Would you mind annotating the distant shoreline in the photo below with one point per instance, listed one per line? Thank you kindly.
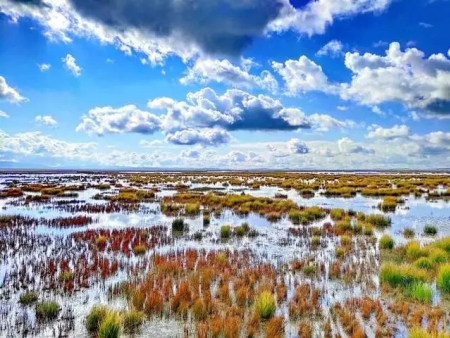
(168, 170)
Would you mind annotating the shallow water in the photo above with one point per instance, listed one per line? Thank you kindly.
(274, 242)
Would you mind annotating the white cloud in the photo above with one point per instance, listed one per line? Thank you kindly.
(425, 24)
(397, 131)
(149, 28)
(348, 146)
(323, 122)
(303, 75)
(292, 147)
(191, 153)
(126, 119)
(342, 108)
(206, 117)
(316, 16)
(332, 48)
(3, 114)
(378, 111)
(204, 136)
(407, 77)
(206, 70)
(43, 67)
(8, 93)
(46, 119)
(71, 64)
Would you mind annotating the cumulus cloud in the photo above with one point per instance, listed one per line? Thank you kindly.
(43, 67)
(397, 131)
(204, 136)
(234, 110)
(46, 119)
(71, 65)
(316, 16)
(126, 119)
(332, 48)
(3, 114)
(206, 117)
(323, 122)
(191, 153)
(37, 144)
(241, 157)
(292, 147)
(407, 77)
(348, 146)
(303, 75)
(206, 70)
(8, 93)
(160, 28)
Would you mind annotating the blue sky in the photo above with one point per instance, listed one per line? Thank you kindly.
(325, 84)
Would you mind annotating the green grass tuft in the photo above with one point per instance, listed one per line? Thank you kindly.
(443, 278)
(28, 298)
(95, 317)
(266, 305)
(403, 275)
(47, 310)
(110, 327)
(386, 242)
(421, 292)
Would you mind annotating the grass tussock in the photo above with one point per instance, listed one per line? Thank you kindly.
(110, 327)
(421, 292)
(265, 305)
(443, 278)
(48, 310)
(28, 298)
(401, 276)
(386, 242)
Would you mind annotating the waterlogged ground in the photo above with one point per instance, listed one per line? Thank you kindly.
(81, 239)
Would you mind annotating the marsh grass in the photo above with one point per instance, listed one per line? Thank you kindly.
(378, 221)
(110, 327)
(430, 230)
(178, 225)
(47, 310)
(192, 209)
(443, 278)
(225, 231)
(386, 242)
(421, 292)
(418, 332)
(265, 305)
(28, 298)
(139, 249)
(424, 263)
(414, 251)
(95, 317)
(132, 321)
(403, 275)
(408, 233)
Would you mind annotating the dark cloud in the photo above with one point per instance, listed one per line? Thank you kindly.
(217, 26)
